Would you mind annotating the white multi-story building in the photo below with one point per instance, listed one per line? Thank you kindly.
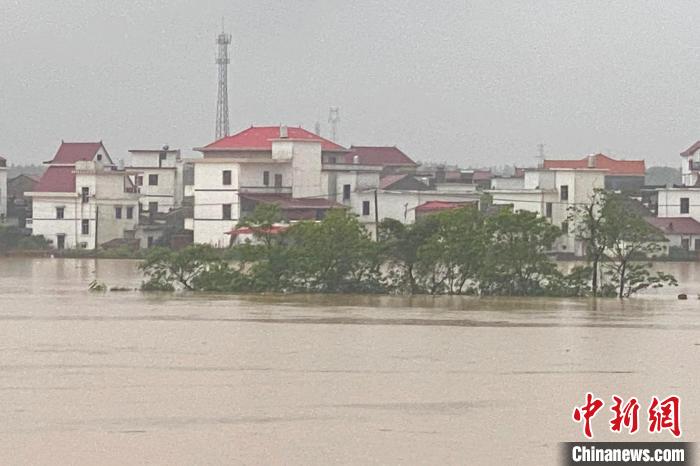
(690, 165)
(304, 174)
(550, 193)
(269, 164)
(159, 178)
(82, 200)
(3, 190)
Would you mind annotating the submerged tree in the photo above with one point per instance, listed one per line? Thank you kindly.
(166, 269)
(587, 221)
(334, 255)
(628, 238)
(516, 262)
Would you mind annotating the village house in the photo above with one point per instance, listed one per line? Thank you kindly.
(82, 200)
(159, 178)
(19, 206)
(391, 159)
(3, 190)
(305, 176)
(302, 173)
(690, 165)
(681, 232)
(550, 193)
(621, 175)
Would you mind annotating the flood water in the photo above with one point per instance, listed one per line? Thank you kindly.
(131, 378)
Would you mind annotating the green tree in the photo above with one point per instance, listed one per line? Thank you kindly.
(334, 255)
(629, 237)
(587, 221)
(516, 262)
(167, 269)
(399, 245)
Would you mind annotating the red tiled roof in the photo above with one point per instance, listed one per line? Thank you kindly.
(388, 180)
(379, 155)
(259, 138)
(691, 149)
(434, 206)
(57, 180)
(675, 225)
(482, 175)
(602, 161)
(71, 152)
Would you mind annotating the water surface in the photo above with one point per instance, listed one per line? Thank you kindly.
(131, 378)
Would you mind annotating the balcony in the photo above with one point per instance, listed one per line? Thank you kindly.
(266, 189)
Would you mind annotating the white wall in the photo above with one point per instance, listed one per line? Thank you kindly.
(670, 202)
(106, 192)
(209, 195)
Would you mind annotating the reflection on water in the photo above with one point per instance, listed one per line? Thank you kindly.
(274, 379)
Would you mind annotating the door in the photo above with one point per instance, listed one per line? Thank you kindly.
(697, 244)
(60, 241)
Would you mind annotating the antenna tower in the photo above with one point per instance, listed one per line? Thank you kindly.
(222, 60)
(540, 155)
(334, 119)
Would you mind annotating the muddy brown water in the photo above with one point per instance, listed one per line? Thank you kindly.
(131, 378)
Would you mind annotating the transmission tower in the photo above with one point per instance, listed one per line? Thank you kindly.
(334, 119)
(222, 60)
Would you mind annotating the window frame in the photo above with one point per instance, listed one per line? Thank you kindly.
(366, 208)
(151, 178)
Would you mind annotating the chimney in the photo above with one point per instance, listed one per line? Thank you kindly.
(284, 133)
(591, 161)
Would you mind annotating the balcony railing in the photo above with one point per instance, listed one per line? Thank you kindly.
(266, 189)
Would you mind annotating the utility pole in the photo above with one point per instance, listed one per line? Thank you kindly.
(376, 216)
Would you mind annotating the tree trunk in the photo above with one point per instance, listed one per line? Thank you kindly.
(594, 278)
(623, 271)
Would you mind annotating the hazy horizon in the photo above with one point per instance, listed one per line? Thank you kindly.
(476, 83)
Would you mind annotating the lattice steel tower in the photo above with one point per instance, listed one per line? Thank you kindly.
(222, 60)
(334, 119)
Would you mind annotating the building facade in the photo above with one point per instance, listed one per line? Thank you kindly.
(159, 179)
(82, 200)
(550, 193)
(621, 175)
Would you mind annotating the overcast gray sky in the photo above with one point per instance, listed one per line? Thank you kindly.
(470, 82)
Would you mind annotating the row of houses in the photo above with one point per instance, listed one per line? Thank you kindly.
(85, 199)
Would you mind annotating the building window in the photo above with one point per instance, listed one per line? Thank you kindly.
(685, 205)
(60, 241)
(564, 192)
(331, 159)
(152, 208)
(346, 192)
(226, 175)
(129, 212)
(153, 180)
(84, 193)
(365, 207)
(278, 180)
(226, 211)
(99, 157)
(85, 227)
(548, 210)
(118, 212)
(161, 158)
(60, 212)
(266, 178)
(565, 227)
(139, 180)
(685, 243)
